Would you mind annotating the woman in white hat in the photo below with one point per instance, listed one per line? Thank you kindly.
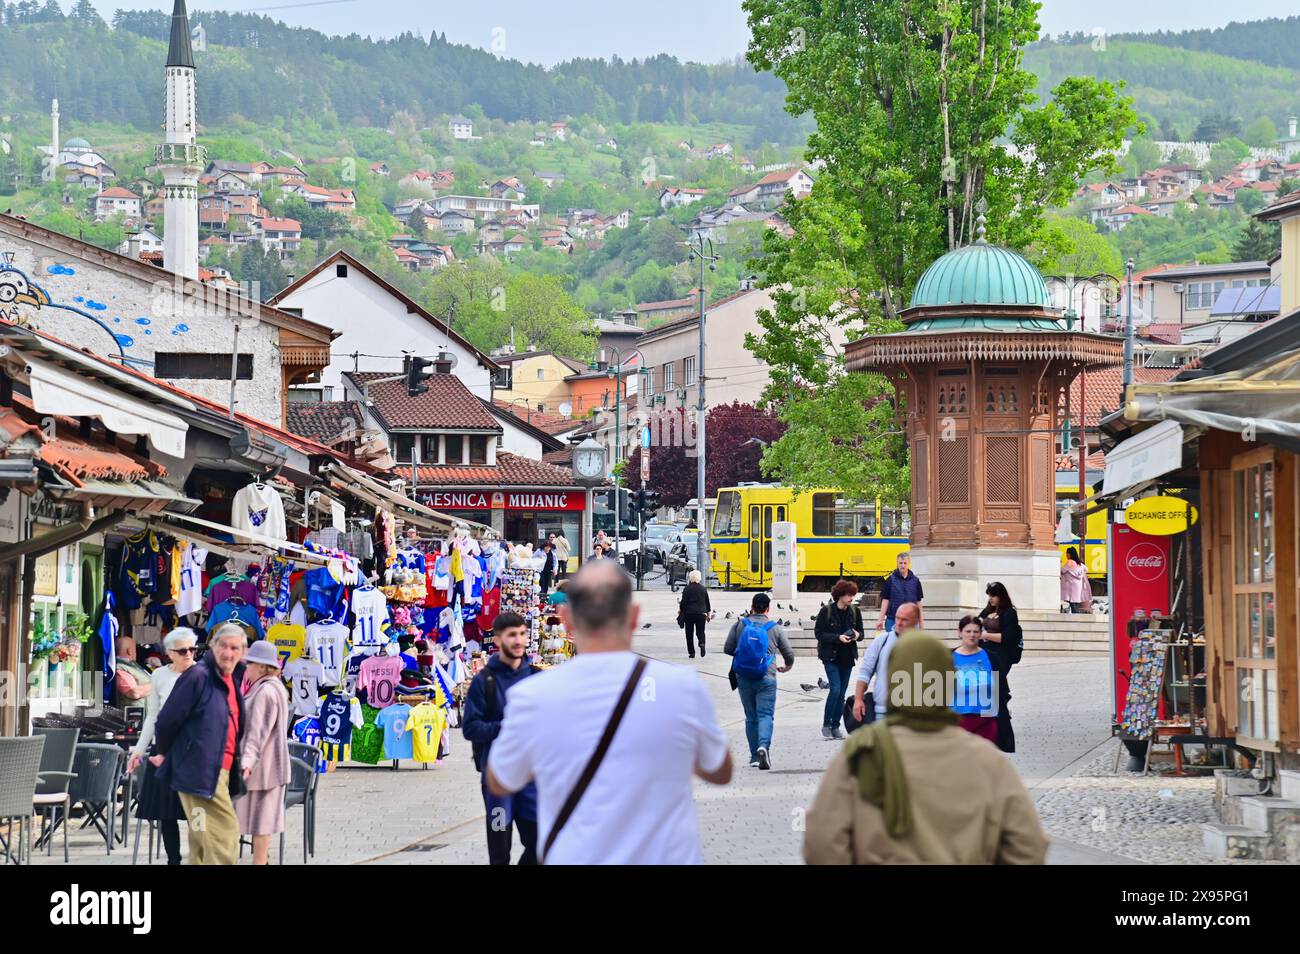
(158, 801)
(264, 753)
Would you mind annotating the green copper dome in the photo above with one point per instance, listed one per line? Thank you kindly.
(981, 274)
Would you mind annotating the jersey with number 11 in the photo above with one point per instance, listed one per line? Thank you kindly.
(371, 612)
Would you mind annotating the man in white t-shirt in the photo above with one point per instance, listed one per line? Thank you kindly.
(638, 807)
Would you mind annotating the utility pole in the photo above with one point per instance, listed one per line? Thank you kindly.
(1128, 326)
(701, 250)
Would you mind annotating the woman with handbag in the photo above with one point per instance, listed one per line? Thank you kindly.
(264, 755)
(158, 802)
(694, 611)
(1005, 642)
(838, 630)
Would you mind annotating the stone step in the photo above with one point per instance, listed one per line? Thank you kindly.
(1289, 784)
(1269, 814)
(1234, 841)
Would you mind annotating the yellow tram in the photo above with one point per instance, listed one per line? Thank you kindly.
(836, 537)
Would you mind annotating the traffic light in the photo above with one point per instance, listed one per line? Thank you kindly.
(634, 502)
(649, 501)
(416, 375)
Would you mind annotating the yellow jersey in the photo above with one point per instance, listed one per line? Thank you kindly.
(427, 722)
(290, 641)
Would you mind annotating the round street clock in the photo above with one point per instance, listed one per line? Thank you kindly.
(589, 460)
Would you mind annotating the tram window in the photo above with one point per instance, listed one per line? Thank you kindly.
(895, 522)
(836, 517)
(727, 519)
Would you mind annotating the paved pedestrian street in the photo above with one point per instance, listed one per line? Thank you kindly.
(375, 815)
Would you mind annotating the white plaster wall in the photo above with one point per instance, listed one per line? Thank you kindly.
(115, 314)
(373, 322)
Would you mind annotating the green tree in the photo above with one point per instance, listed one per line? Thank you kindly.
(1225, 155)
(1143, 155)
(1262, 132)
(915, 107)
(1073, 246)
(1259, 241)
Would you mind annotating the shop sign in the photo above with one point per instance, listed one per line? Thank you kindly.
(506, 500)
(1139, 576)
(1160, 516)
(11, 517)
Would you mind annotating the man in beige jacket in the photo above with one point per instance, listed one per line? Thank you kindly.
(915, 789)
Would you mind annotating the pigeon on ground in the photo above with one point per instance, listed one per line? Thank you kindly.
(822, 683)
(646, 626)
(806, 688)
(728, 615)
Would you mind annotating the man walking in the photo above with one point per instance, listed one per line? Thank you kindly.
(914, 788)
(485, 704)
(563, 550)
(754, 644)
(611, 740)
(548, 566)
(875, 662)
(901, 586)
(198, 733)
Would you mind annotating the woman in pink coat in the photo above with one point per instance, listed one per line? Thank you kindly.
(264, 755)
(1074, 582)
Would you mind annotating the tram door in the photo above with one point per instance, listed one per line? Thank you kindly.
(761, 517)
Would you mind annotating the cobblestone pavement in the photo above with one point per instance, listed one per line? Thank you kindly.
(372, 814)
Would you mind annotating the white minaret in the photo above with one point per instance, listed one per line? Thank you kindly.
(179, 156)
(54, 143)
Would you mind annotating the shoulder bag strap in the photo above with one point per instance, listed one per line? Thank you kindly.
(596, 757)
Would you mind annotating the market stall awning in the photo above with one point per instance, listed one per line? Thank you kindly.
(141, 496)
(59, 392)
(1144, 456)
(1261, 402)
(373, 493)
(214, 536)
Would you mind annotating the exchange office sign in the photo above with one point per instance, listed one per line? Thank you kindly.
(1160, 516)
(506, 500)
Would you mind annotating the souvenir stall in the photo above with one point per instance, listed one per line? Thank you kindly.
(369, 617)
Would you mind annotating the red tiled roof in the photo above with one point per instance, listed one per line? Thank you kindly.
(510, 471)
(78, 459)
(784, 175)
(117, 192)
(1067, 462)
(550, 423)
(1170, 331)
(1104, 390)
(324, 421)
(271, 224)
(559, 458)
(1130, 209)
(447, 403)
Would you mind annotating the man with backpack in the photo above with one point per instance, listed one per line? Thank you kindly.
(484, 710)
(753, 643)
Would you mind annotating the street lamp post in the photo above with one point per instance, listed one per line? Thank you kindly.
(1128, 326)
(701, 251)
(618, 446)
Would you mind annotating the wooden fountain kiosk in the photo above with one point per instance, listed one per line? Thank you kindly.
(983, 369)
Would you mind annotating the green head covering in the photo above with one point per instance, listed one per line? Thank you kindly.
(918, 700)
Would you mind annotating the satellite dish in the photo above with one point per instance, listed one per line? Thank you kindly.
(566, 409)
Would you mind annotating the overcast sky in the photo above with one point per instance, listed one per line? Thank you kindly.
(700, 30)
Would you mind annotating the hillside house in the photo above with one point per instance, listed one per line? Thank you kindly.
(139, 241)
(548, 179)
(117, 201)
(559, 131)
(1117, 216)
(510, 188)
(282, 237)
(211, 244)
(773, 186)
(456, 223)
(722, 150)
(673, 197)
(380, 169)
(460, 127)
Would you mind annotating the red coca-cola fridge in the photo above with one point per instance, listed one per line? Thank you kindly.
(1139, 590)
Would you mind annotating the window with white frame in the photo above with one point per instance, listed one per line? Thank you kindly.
(649, 380)
(688, 372)
(668, 375)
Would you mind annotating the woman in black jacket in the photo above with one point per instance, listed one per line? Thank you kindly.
(694, 611)
(838, 629)
(1005, 642)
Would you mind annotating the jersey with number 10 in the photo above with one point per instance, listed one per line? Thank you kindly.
(371, 612)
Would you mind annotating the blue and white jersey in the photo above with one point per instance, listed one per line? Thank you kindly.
(370, 610)
(410, 560)
(336, 720)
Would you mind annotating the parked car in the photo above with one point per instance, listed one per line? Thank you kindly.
(656, 539)
(679, 562)
(689, 538)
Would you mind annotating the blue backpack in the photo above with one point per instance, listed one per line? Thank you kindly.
(753, 657)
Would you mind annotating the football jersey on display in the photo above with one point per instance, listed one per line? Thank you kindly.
(336, 720)
(327, 644)
(426, 725)
(399, 742)
(290, 641)
(304, 677)
(371, 612)
(379, 678)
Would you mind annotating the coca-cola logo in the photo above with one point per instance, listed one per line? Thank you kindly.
(1146, 562)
